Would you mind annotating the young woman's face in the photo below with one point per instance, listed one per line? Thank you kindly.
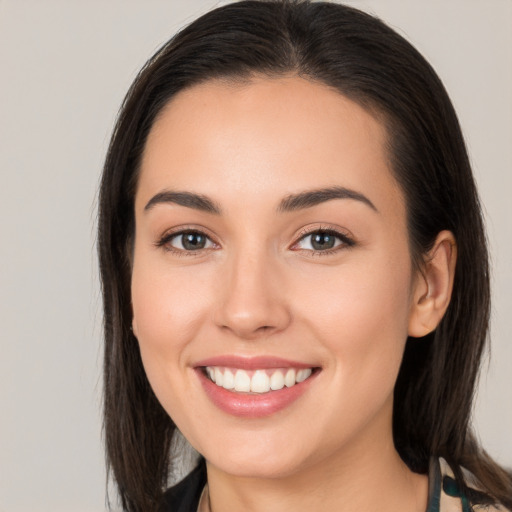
(271, 254)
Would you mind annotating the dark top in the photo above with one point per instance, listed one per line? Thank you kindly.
(444, 494)
(184, 496)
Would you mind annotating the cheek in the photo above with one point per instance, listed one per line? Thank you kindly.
(169, 309)
(168, 312)
(378, 293)
(167, 306)
(361, 316)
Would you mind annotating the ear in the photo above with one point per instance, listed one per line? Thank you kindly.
(433, 286)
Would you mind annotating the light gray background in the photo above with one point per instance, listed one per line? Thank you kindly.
(65, 66)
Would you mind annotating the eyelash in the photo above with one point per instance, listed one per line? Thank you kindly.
(346, 241)
(164, 241)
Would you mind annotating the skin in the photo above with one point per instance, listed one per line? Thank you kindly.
(258, 288)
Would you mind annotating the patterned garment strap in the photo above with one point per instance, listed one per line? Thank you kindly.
(445, 495)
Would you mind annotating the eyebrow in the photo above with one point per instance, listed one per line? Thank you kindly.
(311, 198)
(188, 199)
(290, 203)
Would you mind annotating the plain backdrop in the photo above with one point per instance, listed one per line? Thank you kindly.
(65, 67)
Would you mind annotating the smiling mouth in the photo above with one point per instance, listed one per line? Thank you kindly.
(257, 381)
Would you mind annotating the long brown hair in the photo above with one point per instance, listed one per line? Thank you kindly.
(368, 62)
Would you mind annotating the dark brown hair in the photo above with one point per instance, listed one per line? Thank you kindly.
(368, 62)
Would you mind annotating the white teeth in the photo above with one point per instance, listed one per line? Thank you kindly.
(277, 381)
(242, 381)
(219, 377)
(302, 375)
(229, 380)
(262, 381)
(289, 378)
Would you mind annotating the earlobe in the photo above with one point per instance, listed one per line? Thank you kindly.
(433, 288)
(134, 327)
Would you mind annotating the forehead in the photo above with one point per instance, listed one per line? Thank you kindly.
(267, 134)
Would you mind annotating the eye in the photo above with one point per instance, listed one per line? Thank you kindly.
(323, 240)
(186, 241)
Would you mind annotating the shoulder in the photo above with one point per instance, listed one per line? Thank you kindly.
(184, 496)
(446, 495)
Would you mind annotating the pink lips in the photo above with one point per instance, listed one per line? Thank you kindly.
(250, 405)
(251, 363)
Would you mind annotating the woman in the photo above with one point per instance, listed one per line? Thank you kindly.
(294, 272)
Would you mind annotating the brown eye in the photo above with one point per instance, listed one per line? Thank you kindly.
(187, 241)
(193, 241)
(323, 241)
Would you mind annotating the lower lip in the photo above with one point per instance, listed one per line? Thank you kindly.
(247, 405)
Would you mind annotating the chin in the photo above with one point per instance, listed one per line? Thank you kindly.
(261, 467)
(258, 458)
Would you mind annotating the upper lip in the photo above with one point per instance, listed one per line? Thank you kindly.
(252, 363)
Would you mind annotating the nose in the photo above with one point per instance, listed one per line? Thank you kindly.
(253, 299)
